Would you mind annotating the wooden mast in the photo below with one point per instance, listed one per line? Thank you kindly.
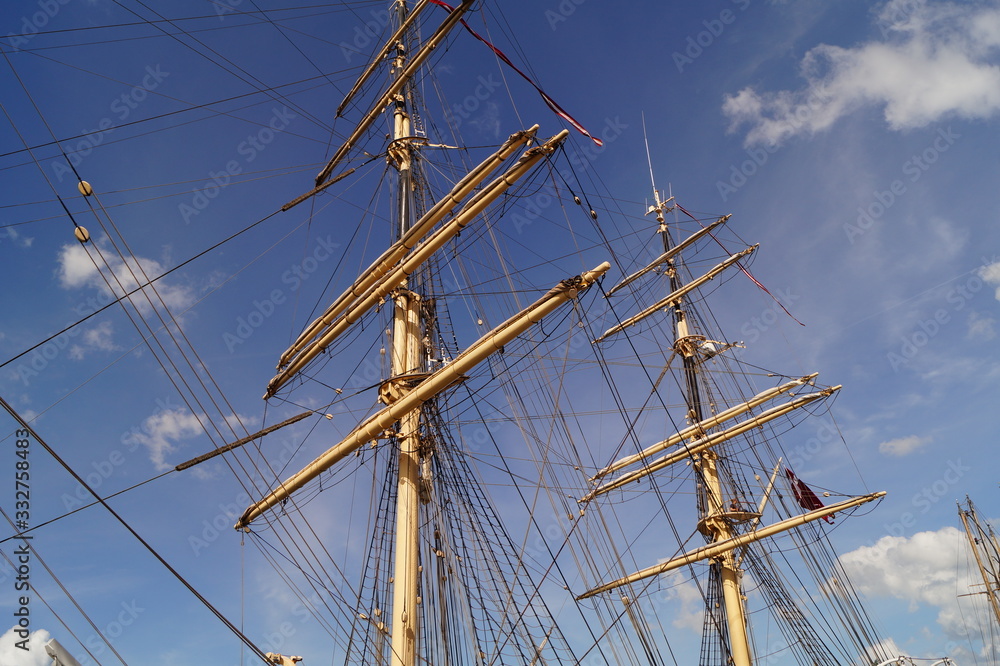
(411, 382)
(712, 524)
(991, 579)
(695, 444)
(415, 391)
(405, 359)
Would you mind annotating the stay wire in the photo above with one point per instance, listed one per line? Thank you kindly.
(139, 287)
(508, 278)
(41, 117)
(164, 357)
(127, 295)
(229, 625)
(306, 552)
(85, 506)
(127, 265)
(34, 589)
(599, 351)
(295, 46)
(238, 460)
(208, 390)
(515, 397)
(251, 80)
(150, 22)
(180, 377)
(270, 553)
(190, 107)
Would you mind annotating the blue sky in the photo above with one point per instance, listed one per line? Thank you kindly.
(857, 142)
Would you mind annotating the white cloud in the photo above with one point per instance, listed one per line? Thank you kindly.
(903, 446)
(99, 337)
(96, 338)
(981, 327)
(9, 233)
(926, 569)
(77, 270)
(991, 275)
(11, 655)
(75, 267)
(884, 646)
(935, 61)
(161, 431)
(689, 614)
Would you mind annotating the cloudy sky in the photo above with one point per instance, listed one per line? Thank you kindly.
(856, 141)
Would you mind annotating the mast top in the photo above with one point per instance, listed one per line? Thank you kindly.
(658, 208)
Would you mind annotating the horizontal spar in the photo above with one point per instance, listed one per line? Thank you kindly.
(669, 254)
(395, 87)
(435, 383)
(352, 305)
(240, 442)
(420, 228)
(707, 424)
(706, 442)
(676, 295)
(720, 547)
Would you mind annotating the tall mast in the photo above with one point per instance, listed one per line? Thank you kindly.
(981, 543)
(405, 359)
(719, 514)
(712, 523)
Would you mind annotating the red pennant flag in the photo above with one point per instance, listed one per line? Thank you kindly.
(551, 103)
(804, 495)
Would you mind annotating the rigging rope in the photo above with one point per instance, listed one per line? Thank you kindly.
(745, 270)
(34, 551)
(55, 456)
(551, 103)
